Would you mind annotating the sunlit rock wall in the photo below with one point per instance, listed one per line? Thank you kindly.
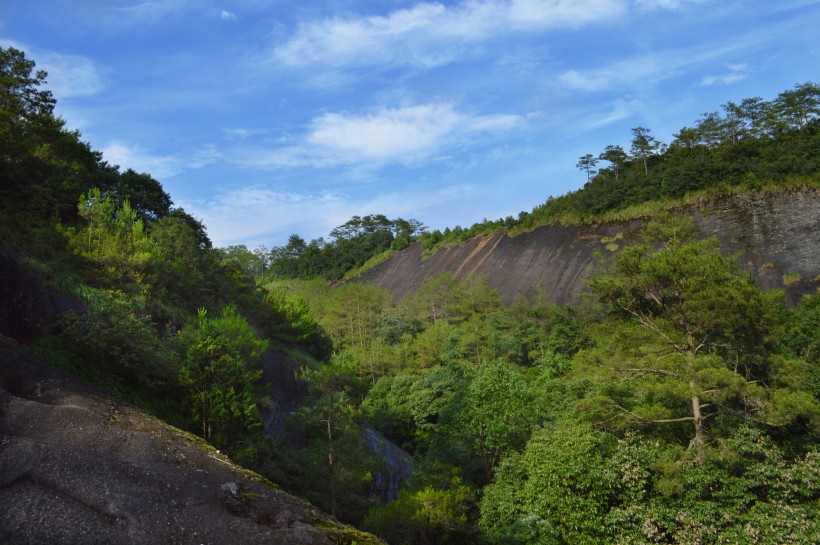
(776, 234)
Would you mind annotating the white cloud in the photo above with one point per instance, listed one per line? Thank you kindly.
(540, 14)
(621, 109)
(650, 5)
(69, 75)
(387, 134)
(149, 11)
(653, 67)
(137, 159)
(159, 166)
(242, 133)
(251, 213)
(634, 70)
(663, 64)
(204, 156)
(432, 34)
(402, 134)
(228, 16)
(406, 135)
(736, 72)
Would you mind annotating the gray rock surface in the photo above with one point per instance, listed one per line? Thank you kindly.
(777, 236)
(79, 466)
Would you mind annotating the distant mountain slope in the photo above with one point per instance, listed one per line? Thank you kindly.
(79, 466)
(778, 234)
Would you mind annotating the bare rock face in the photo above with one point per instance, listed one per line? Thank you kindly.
(79, 466)
(777, 236)
(28, 308)
(284, 388)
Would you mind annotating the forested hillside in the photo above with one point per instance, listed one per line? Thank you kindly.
(166, 320)
(679, 403)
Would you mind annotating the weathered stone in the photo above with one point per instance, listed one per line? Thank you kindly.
(79, 466)
(776, 234)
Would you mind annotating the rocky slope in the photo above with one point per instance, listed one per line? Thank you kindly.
(79, 466)
(776, 234)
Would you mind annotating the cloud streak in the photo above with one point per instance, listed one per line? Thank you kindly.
(71, 75)
(654, 67)
(404, 135)
(431, 34)
(159, 166)
(736, 72)
(68, 75)
(147, 11)
(651, 5)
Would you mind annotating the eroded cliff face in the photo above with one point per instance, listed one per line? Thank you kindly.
(777, 236)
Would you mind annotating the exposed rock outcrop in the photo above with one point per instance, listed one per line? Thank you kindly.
(393, 465)
(79, 466)
(285, 390)
(28, 308)
(776, 234)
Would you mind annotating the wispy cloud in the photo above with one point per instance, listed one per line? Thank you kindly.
(404, 135)
(593, 120)
(650, 5)
(653, 67)
(147, 11)
(634, 70)
(387, 134)
(735, 73)
(70, 75)
(401, 133)
(228, 16)
(159, 166)
(242, 133)
(431, 34)
(246, 214)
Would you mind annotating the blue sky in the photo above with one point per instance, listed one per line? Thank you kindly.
(266, 118)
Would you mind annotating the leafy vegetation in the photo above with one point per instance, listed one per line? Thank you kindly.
(146, 272)
(682, 407)
(629, 423)
(351, 246)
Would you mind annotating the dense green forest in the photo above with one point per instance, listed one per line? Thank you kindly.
(678, 404)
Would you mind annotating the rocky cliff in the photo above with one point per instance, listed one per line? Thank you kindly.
(776, 234)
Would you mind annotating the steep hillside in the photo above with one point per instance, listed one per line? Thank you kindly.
(777, 233)
(80, 466)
